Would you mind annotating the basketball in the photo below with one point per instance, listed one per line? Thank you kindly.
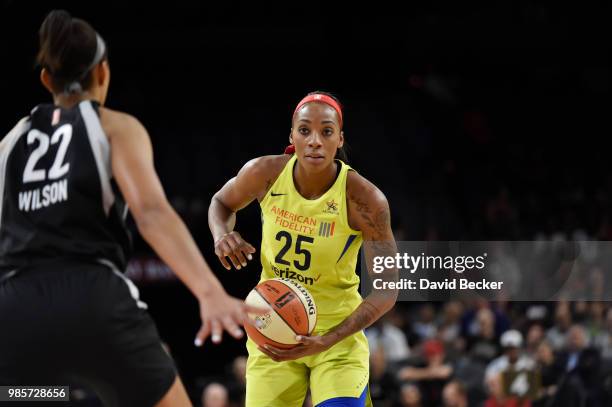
(293, 313)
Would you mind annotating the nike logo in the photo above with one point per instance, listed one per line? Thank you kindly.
(273, 194)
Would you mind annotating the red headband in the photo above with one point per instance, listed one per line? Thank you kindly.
(318, 97)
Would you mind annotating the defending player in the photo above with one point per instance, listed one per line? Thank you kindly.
(67, 313)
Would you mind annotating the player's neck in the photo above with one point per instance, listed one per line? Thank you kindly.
(312, 185)
(69, 100)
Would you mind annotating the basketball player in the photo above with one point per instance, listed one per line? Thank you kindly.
(67, 313)
(316, 211)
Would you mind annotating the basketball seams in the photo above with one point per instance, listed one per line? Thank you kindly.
(303, 301)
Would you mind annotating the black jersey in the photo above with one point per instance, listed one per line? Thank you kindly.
(59, 201)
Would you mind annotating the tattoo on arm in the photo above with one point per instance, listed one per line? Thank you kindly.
(365, 315)
(378, 241)
(378, 222)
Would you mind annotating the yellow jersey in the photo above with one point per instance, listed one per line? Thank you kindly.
(310, 241)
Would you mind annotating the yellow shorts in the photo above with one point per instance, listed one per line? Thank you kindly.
(341, 371)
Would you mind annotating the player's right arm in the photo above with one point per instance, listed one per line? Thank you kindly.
(252, 182)
(162, 228)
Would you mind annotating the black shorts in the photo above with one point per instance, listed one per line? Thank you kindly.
(81, 325)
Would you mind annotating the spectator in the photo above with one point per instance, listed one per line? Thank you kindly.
(576, 342)
(483, 344)
(535, 336)
(581, 312)
(512, 342)
(425, 327)
(378, 369)
(215, 395)
(449, 326)
(239, 369)
(431, 375)
(409, 396)
(237, 382)
(603, 340)
(563, 321)
(550, 374)
(454, 395)
(581, 384)
(390, 339)
(497, 396)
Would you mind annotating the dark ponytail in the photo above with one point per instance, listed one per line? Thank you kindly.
(67, 48)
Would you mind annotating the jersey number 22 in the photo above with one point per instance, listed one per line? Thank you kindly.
(59, 168)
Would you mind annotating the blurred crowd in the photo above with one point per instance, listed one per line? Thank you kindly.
(493, 354)
(460, 354)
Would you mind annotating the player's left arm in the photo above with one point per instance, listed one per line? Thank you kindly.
(368, 212)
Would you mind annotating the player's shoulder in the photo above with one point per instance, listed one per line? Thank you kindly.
(20, 125)
(116, 122)
(368, 208)
(267, 166)
(17, 130)
(260, 173)
(359, 188)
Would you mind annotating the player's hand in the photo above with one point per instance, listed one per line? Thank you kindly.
(238, 250)
(309, 345)
(220, 312)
